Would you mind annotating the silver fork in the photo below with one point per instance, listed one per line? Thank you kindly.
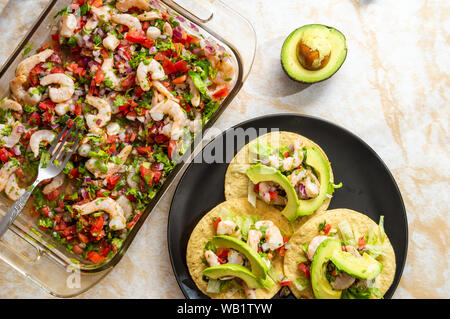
(50, 170)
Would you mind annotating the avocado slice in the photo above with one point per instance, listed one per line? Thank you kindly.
(239, 271)
(313, 53)
(258, 266)
(319, 282)
(261, 173)
(315, 160)
(365, 267)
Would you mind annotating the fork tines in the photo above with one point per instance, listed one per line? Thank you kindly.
(65, 136)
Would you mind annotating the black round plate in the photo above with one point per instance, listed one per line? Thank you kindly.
(368, 187)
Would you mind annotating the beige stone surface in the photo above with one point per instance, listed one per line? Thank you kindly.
(392, 91)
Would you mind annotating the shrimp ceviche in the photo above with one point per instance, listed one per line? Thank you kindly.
(138, 82)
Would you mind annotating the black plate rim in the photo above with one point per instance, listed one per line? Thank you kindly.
(304, 116)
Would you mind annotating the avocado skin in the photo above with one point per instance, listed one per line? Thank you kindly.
(259, 267)
(300, 80)
(239, 271)
(319, 282)
(261, 173)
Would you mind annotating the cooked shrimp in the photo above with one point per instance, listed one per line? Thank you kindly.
(25, 67)
(149, 16)
(130, 177)
(211, 258)
(155, 69)
(111, 168)
(11, 139)
(62, 108)
(195, 101)
(64, 92)
(102, 13)
(125, 203)
(108, 205)
(111, 42)
(128, 20)
(12, 189)
(103, 116)
(163, 90)
(68, 25)
(311, 186)
(352, 250)
(5, 172)
(342, 281)
(253, 238)
(175, 112)
(153, 33)
(235, 258)
(315, 242)
(39, 136)
(227, 227)
(125, 5)
(56, 183)
(8, 104)
(108, 70)
(273, 237)
(167, 29)
(30, 97)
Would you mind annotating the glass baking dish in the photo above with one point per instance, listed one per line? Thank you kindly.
(32, 252)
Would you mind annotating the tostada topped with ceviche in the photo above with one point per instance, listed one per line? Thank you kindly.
(236, 251)
(139, 81)
(284, 169)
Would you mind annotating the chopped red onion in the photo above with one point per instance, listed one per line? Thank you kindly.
(177, 32)
(98, 122)
(16, 150)
(20, 129)
(152, 50)
(193, 27)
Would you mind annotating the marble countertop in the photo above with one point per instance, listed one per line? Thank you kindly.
(393, 91)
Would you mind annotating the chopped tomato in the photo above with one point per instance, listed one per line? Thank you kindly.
(77, 110)
(53, 195)
(35, 119)
(95, 3)
(160, 138)
(282, 251)
(361, 242)
(99, 77)
(134, 220)
(77, 249)
(47, 116)
(327, 228)
(112, 149)
(305, 269)
(150, 176)
(19, 173)
(34, 80)
(216, 222)
(181, 66)
(144, 150)
(138, 36)
(97, 225)
(222, 253)
(256, 188)
(4, 155)
(180, 79)
(83, 238)
(172, 147)
(128, 82)
(95, 257)
(168, 66)
(286, 283)
(47, 105)
(273, 195)
(56, 69)
(334, 273)
(221, 93)
(112, 181)
(159, 56)
(101, 193)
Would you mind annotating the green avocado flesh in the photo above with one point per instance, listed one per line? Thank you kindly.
(319, 282)
(335, 41)
(315, 159)
(258, 266)
(365, 267)
(239, 271)
(261, 173)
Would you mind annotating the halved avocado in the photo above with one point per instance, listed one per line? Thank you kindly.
(313, 53)
(258, 266)
(239, 271)
(320, 165)
(365, 267)
(261, 173)
(319, 282)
